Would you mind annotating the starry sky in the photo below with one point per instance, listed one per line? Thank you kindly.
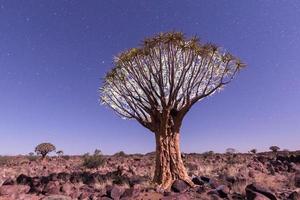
(53, 55)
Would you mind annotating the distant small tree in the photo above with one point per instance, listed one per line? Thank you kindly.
(275, 149)
(32, 157)
(31, 154)
(4, 160)
(44, 148)
(60, 153)
(230, 151)
(97, 152)
(254, 151)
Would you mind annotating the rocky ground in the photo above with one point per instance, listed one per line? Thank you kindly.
(262, 176)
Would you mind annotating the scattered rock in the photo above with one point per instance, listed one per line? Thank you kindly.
(215, 197)
(130, 193)
(57, 197)
(297, 179)
(255, 188)
(14, 189)
(205, 179)
(200, 189)
(198, 181)
(24, 180)
(114, 192)
(251, 195)
(52, 188)
(179, 186)
(8, 181)
(222, 191)
(294, 196)
(67, 188)
(176, 197)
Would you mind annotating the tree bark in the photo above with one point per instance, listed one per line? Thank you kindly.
(169, 164)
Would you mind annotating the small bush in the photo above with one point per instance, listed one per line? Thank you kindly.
(93, 161)
(31, 157)
(4, 160)
(254, 151)
(66, 157)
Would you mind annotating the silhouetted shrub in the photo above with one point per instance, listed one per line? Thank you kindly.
(93, 161)
(59, 153)
(44, 148)
(254, 151)
(230, 151)
(120, 154)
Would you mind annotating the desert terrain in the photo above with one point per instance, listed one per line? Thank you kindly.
(259, 176)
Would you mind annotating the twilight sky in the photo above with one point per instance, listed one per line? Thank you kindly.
(53, 55)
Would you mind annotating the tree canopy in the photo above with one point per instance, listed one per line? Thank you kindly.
(166, 73)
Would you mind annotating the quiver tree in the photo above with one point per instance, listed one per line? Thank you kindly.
(44, 148)
(158, 83)
(274, 149)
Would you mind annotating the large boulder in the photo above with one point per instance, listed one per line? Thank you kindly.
(114, 191)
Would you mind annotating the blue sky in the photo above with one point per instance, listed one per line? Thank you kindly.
(53, 55)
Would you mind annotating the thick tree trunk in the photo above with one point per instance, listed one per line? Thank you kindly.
(169, 164)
